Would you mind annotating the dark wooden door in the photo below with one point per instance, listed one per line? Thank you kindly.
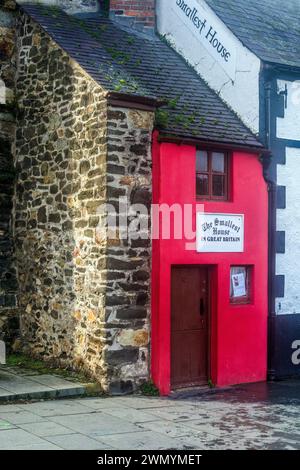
(189, 327)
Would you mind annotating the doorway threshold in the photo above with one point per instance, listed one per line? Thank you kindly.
(193, 392)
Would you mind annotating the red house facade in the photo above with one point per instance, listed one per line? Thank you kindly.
(131, 123)
(201, 331)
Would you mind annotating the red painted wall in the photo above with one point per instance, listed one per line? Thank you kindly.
(238, 332)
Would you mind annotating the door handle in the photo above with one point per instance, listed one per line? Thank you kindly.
(202, 308)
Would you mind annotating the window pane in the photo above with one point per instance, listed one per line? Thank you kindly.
(202, 161)
(218, 162)
(218, 185)
(202, 185)
(239, 285)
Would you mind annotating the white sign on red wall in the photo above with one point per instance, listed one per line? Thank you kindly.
(220, 233)
(204, 25)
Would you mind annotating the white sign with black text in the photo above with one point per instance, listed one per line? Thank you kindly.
(204, 25)
(220, 233)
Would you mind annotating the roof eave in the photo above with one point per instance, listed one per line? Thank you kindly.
(127, 100)
(182, 140)
(276, 67)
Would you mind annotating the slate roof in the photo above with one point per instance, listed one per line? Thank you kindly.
(126, 62)
(269, 28)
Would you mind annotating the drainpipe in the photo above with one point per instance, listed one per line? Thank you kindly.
(272, 196)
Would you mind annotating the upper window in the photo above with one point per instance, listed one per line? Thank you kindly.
(212, 175)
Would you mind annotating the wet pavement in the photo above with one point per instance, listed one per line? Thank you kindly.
(257, 416)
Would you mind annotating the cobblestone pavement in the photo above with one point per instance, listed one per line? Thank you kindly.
(258, 416)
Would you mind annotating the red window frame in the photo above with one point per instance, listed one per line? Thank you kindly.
(210, 173)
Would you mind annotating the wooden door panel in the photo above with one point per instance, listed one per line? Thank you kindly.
(189, 321)
(183, 298)
(188, 369)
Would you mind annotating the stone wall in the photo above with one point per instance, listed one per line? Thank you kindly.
(8, 285)
(61, 163)
(84, 297)
(128, 259)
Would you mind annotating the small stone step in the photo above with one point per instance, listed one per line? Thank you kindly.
(19, 384)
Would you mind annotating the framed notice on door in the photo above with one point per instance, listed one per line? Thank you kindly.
(220, 233)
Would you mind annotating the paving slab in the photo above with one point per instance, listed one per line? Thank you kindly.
(205, 441)
(5, 425)
(16, 438)
(22, 384)
(6, 408)
(180, 413)
(131, 415)
(46, 429)
(167, 428)
(43, 446)
(140, 402)
(78, 442)
(95, 424)
(56, 408)
(52, 381)
(20, 417)
(143, 440)
(101, 403)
